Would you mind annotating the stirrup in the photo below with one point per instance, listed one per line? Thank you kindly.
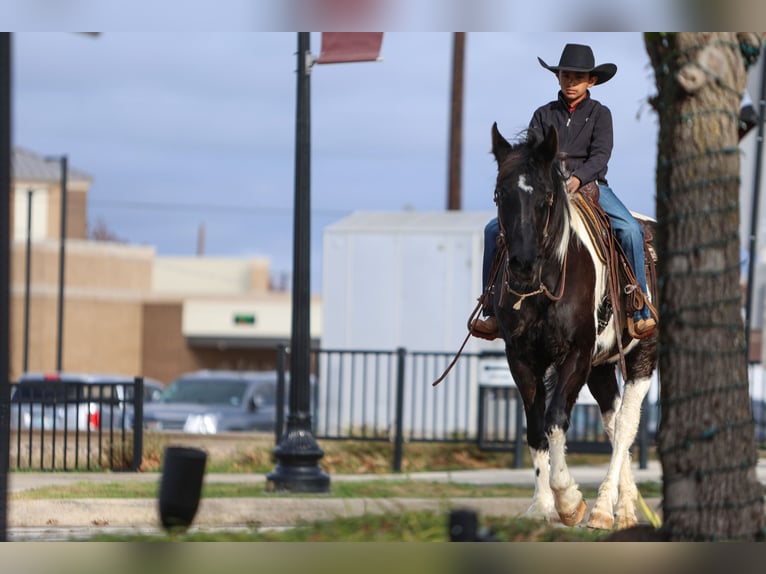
(631, 325)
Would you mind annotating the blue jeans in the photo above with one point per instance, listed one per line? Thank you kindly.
(630, 234)
(626, 228)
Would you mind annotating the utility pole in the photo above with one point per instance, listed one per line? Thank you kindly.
(454, 194)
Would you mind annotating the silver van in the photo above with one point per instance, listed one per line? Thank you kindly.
(215, 401)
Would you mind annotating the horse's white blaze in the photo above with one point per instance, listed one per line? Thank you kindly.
(523, 185)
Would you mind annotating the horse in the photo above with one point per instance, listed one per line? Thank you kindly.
(549, 296)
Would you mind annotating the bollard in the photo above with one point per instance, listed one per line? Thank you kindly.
(463, 525)
(181, 486)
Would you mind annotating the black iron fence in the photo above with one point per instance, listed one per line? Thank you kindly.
(388, 396)
(356, 395)
(76, 426)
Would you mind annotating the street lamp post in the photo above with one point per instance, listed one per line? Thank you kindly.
(5, 274)
(63, 162)
(298, 453)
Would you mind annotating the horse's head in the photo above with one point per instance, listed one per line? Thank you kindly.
(528, 194)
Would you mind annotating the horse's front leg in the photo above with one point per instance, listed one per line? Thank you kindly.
(568, 498)
(532, 394)
(619, 478)
(543, 506)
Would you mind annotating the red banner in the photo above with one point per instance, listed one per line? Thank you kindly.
(340, 47)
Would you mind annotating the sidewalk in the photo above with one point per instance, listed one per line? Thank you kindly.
(81, 518)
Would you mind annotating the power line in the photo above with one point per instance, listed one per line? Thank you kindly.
(206, 207)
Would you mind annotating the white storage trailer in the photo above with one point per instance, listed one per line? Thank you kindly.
(404, 279)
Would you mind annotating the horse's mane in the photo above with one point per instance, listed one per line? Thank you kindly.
(520, 153)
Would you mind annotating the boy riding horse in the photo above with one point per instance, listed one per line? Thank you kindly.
(585, 133)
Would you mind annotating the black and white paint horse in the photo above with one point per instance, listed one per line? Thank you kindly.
(547, 297)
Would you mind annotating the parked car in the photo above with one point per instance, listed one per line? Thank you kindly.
(83, 401)
(211, 401)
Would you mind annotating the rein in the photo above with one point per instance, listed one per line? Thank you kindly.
(482, 300)
(490, 283)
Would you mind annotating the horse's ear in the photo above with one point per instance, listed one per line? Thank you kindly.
(550, 145)
(500, 146)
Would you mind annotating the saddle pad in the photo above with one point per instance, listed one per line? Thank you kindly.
(596, 222)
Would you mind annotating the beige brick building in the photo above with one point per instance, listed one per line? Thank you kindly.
(126, 310)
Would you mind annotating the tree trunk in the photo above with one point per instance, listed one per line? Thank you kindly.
(706, 439)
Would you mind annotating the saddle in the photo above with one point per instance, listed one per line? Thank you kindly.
(623, 293)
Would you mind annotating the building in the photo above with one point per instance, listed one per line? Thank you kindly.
(126, 309)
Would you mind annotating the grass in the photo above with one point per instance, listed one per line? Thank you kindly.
(399, 527)
(248, 454)
(402, 488)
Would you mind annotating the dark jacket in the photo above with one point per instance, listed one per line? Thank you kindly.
(585, 135)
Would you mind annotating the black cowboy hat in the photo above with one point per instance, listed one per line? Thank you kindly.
(579, 58)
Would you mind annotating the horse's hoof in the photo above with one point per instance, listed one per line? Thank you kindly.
(624, 521)
(575, 517)
(600, 520)
(538, 513)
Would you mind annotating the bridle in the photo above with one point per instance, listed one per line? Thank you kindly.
(542, 287)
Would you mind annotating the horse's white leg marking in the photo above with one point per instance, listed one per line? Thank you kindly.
(542, 501)
(567, 496)
(619, 477)
(628, 493)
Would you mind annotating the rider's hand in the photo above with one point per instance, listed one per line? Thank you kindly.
(573, 184)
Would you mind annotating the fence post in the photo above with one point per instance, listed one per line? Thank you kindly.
(482, 414)
(138, 422)
(281, 362)
(398, 435)
(643, 432)
(518, 447)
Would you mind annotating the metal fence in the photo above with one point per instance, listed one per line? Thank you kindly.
(357, 395)
(57, 426)
(388, 396)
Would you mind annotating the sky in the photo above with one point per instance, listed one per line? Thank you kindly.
(190, 129)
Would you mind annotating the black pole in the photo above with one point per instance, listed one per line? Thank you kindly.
(62, 242)
(298, 453)
(401, 358)
(643, 435)
(281, 363)
(27, 279)
(138, 423)
(755, 207)
(5, 274)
